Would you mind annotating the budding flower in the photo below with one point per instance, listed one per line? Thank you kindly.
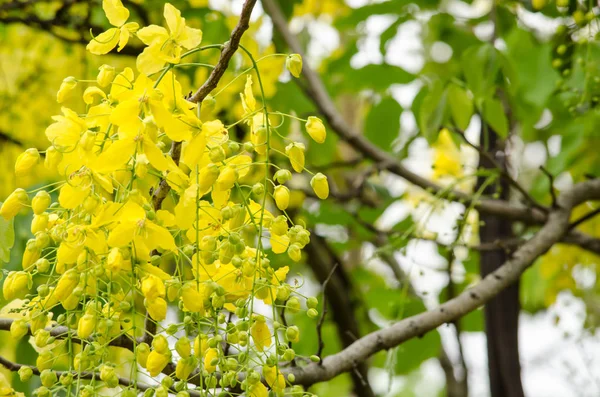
(227, 178)
(53, 158)
(14, 203)
(316, 129)
(282, 176)
(282, 197)
(106, 75)
(15, 285)
(41, 202)
(207, 177)
(90, 93)
(293, 63)
(66, 89)
(26, 161)
(156, 362)
(18, 329)
(320, 186)
(295, 152)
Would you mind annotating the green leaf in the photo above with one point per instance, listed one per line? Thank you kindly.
(493, 114)
(7, 238)
(383, 123)
(480, 65)
(461, 106)
(432, 113)
(377, 77)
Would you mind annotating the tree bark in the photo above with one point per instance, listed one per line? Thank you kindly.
(502, 311)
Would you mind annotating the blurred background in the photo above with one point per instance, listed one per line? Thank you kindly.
(384, 64)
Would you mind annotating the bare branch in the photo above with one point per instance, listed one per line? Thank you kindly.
(469, 300)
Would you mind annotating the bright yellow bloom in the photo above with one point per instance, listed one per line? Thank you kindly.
(156, 362)
(145, 234)
(316, 129)
(320, 186)
(227, 178)
(106, 75)
(184, 367)
(258, 390)
(293, 63)
(274, 378)
(157, 308)
(14, 203)
(193, 296)
(66, 89)
(166, 45)
(66, 284)
(16, 285)
(86, 325)
(119, 35)
(295, 152)
(282, 197)
(260, 334)
(18, 329)
(41, 202)
(208, 358)
(153, 287)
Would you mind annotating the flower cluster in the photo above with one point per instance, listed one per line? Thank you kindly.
(138, 231)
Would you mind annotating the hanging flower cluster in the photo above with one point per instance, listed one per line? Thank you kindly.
(140, 233)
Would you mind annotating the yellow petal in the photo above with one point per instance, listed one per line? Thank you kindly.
(104, 42)
(122, 84)
(123, 38)
(261, 335)
(149, 61)
(115, 157)
(115, 12)
(70, 197)
(153, 34)
(159, 237)
(279, 244)
(190, 38)
(194, 150)
(154, 155)
(122, 235)
(174, 20)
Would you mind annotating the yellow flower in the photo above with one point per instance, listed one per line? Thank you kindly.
(282, 197)
(193, 295)
(157, 308)
(41, 202)
(295, 152)
(184, 367)
(86, 326)
(26, 161)
(18, 329)
(145, 234)
(227, 178)
(15, 285)
(114, 261)
(274, 378)
(119, 35)
(153, 287)
(66, 89)
(53, 158)
(66, 284)
(293, 63)
(14, 203)
(183, 347)
(258, 390)
(156, 362)
(316, 129)
(90, 93)
(320, 186)
(66, 131)
(208, 358)
(165, 45)
(106, 75)
(261, 334)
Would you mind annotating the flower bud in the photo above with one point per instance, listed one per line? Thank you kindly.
(26, 161)
(207, 177)
(217, 154)
(227, 178)
(282, 176)
(156, 362)
(66, 89)
(294, 252)
(293, 63)
(320, 186)
(258, 189)
(53, 158)
(106, 75)
(292, 334)
(25, 373)
(312, 313)
(295, 152)
(42, 265)
(18, 329)
(15, 285)
(41, 202)
(316, 129)
(14, 203)
(282, 197)
(48, 378)
(39, 223)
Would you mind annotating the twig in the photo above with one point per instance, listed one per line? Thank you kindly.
(584, 218)
(551, 178)
(324, 313)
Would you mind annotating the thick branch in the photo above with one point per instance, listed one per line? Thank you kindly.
(469, 300)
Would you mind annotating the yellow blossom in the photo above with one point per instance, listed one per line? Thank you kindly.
(119, 35)
(14, 203)
(16, 285)
(320, 186)
(316, 129)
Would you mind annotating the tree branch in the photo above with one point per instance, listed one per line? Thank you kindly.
(469, 300)
(315, 89)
